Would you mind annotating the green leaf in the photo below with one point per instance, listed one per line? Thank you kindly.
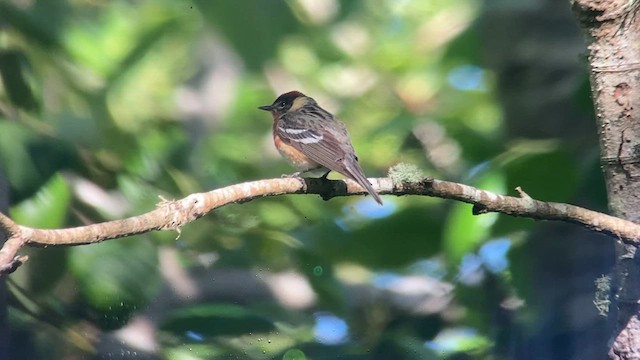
(394, 241)
(20, 170)
(47, 208)
(278, 215)
(115, 277)
(215, 320)
(464, 232)
(142, 47)
(466, 47)
(46, 267)
(459, 341)
(30, 160)
(533, 172)
(294, 354)
(413, 348)
(13, 68)
(546, 172)
(190, 351)
(270, 21)
(35, 29)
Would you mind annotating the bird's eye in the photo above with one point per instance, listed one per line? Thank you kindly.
(281, 105)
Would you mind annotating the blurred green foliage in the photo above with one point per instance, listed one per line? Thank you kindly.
(106, 105)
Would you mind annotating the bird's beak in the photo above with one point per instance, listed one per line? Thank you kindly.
(265, 107)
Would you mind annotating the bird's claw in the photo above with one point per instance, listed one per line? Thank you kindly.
(294, 175)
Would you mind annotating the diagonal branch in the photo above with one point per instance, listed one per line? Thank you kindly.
(172, 215)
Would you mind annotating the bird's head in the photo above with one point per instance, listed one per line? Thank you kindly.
(291, 101)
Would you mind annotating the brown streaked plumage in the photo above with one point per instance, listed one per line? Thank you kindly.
(313, 139)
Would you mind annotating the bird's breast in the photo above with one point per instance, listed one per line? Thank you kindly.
(295, 156)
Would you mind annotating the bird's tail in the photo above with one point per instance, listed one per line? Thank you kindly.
(355, 173)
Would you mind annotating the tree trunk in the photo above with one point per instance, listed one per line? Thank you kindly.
(613, 35)
(5, 353)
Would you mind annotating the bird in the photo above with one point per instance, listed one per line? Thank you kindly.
(314, 140)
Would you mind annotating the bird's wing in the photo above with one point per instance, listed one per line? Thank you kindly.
(318, 136)
(325, 140)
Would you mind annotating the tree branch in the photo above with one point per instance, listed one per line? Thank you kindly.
(172, 215)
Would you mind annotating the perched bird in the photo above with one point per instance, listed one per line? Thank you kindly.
(313, 139)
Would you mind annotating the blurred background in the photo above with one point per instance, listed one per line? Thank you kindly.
(107, 105)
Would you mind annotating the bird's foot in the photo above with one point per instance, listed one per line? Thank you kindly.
(294, 175)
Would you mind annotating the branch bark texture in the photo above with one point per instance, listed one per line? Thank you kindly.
(612, 28)
(172, 215)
